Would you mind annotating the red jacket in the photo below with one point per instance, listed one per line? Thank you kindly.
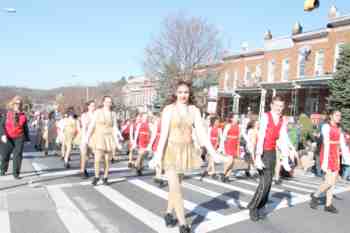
(14, 126)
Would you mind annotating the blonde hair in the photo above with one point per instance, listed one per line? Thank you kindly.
(11, 103)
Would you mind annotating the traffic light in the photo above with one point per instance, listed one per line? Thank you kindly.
(310, 5)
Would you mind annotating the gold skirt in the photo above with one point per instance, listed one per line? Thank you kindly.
(182, 157)
(105, 143)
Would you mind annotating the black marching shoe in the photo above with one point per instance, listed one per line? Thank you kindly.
(331, 209)
(184, 229)
(204, 174)
(170, 220)
(130, 165)
(2, 173)
(314, 201)
(95, 181)
(254, 215)
(66, 165)
(224, 179)
(84, 174)
(105, 181)
(139, 171)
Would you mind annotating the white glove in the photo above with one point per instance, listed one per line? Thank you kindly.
(4, 138)
(219, 158)
(155, 162)
(324, 166)
(285, 164)
(259, 163)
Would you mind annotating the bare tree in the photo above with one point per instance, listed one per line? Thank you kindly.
(183, 43)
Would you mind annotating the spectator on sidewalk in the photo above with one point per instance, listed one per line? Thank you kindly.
(13, 132)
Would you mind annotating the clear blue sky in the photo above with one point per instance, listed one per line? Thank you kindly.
(48, 41)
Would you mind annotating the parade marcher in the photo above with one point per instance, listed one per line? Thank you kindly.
(49, 133)
(252, 139)
(86, 149)
(70, 127)
(176, 152)
(104, 127)
(153, 145)
(215, 135)
(231, 145)
(141, 141)
(132, 142)
(333, 143)
(13, 132)
(346, 158)
(273, 127)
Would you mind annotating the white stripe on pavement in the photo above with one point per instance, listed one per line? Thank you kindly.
(209, 193)
(77, 171)
(84, 183)
(143, 215)
(193, 207)
(278, 190)
(74, 220)
(4, 214)
(224, 185)
(297, 188)
(302, 183)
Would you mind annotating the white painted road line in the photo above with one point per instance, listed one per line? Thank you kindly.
(297, 188)
(4, 214)
(74, 220)
(188, 204)
(143, 215)
(77, 171)
(274, 189)
(228, 186)
(209, 193)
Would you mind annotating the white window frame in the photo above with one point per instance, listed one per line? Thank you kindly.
(235, 79)
(285, 69)
(300, 57)
(337, 54)
(319, 68)
(258, 72)
(271, 70)
(246, 72)
(226, 80)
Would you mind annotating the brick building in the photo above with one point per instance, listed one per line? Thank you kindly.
(297, 66)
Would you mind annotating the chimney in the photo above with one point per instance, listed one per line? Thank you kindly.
(297, 29)
(333, 13)
(268, 35)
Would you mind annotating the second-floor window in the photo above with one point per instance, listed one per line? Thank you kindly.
(271, 71)
(248, 75)
(235, 79)
(301, 65)
(285, 69)
(226, 80)
(337, 54)
(319, 62)
(258, 72)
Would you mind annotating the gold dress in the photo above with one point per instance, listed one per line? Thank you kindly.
(180, 152)
(103, 133)
(69, 130)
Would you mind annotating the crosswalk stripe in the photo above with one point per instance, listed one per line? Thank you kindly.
(231, 187)
(301, 183)
(209, 193)
(74, 220)
(77, 171)
(145, 216)
(297, 188)
(188, 204)
(274, 189)
(4, 214)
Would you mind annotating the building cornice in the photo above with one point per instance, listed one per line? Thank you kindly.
(257, 52)
(310, 35)
(339, 21)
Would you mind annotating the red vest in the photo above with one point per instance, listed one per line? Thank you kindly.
(272, 133)
(15, 130)
(144, 135)
(214, 136)
(156, 140)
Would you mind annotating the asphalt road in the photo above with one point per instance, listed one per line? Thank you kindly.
(51, 199)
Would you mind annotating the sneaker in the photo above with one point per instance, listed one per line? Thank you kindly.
(331, 209)
(95, 181)
(314, 201)
(105, 181)
(184, 229)
(170, 220)
(278, 182)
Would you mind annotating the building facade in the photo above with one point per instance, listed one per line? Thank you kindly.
(139, 93)
(297, 67)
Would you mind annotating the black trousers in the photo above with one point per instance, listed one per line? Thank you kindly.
(261, 195)
(15, 147)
